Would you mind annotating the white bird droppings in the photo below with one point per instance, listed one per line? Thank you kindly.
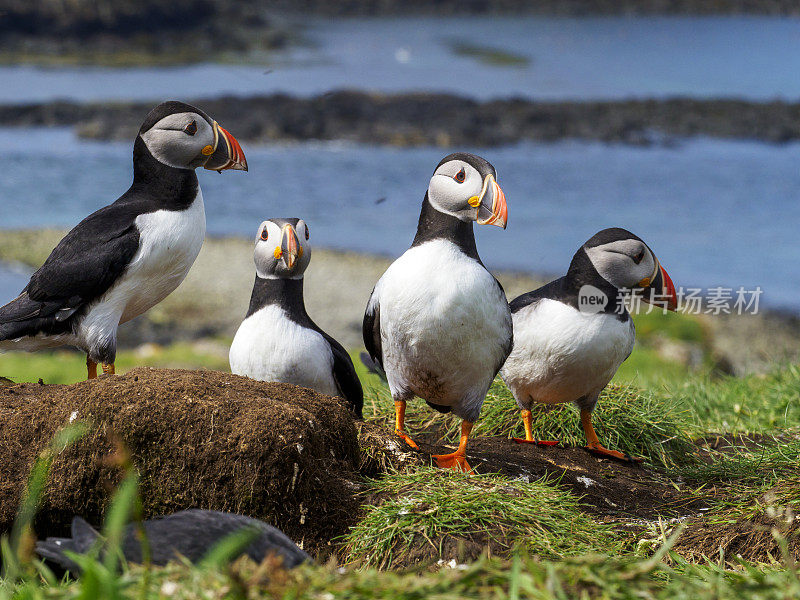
(586, 481)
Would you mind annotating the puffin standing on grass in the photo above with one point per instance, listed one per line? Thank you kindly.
(438, 322)
(127, 257)
(278, 341)
(571, 335)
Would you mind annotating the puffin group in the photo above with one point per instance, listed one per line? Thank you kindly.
(437, 323)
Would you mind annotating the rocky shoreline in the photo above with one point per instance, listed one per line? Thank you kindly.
(440, 119)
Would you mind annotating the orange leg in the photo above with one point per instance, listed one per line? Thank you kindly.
(593, 443)
(108, 369)
(458, 459)
(527, 419)
(91, 368)
(399, 422)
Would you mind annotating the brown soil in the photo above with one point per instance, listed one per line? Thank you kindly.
(198, 439)
(751, 539)
(608, 487)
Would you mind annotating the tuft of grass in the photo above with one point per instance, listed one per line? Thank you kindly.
(428, 507)
(626, 418)
(66, 366)
(751, 404)
(764, 464)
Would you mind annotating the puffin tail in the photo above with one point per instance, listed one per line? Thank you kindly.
(372, 365)
(15, 317)
(83, 538)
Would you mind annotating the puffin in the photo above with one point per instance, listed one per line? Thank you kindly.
(437, 322)
(128, 256)
(189, 533)
(571, 335)
(277, 340)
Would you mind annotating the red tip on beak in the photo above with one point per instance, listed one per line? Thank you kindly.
(669, 290)
(227, 154)
(498, 210)
(236, 154)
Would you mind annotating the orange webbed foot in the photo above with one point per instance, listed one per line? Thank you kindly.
(455, 461)
(406, 439)
(601, 451)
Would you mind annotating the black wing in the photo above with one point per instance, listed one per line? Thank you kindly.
(371, 329)
(553, 290)
(344, 374)
(81, 268)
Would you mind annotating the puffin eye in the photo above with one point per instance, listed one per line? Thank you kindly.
(191, 128)
(308, 235)
(638, 258)
(264, 234)
(460, 176)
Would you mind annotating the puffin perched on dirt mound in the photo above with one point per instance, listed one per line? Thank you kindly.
(278, 341)
(571, 335)
(438, 322)
(127, 257)
(189, 533)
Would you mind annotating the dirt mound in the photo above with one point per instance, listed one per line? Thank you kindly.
(762, 528)
(751, 539)
(198, 438)
(608, 487)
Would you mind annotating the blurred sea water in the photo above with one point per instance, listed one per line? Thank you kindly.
(717, 213)
(482, 57)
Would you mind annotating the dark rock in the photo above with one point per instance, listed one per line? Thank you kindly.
(441, 119)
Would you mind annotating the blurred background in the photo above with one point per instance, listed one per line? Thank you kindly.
(676, 119)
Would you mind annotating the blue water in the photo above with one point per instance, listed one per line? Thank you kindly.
(614, 57)
(715, 212)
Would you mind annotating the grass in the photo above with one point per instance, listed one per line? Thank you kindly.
(429, 506)
(626, 418)
(751, 404)
(65, 366)
(757, 467)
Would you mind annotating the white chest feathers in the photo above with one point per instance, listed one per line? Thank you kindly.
(271, 347)
(445, 326)
(169, 242)
(562, 355)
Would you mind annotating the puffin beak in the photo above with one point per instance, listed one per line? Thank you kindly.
(226, 153)
(660, 290)
(290, 247)
(491, 204)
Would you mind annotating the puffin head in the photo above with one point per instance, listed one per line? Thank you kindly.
(464, 186)
(282, 249)
(626, 262)
(184, 137)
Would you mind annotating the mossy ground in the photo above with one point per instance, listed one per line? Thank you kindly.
(670, 411)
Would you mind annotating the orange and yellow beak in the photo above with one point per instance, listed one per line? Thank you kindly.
(660, 290)
(226, 152)
(290, 247)
(491, 204)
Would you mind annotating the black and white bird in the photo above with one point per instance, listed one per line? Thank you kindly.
(571, 335)
(438, 322)
(128, 256)
(278, 341)
(189, 534)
